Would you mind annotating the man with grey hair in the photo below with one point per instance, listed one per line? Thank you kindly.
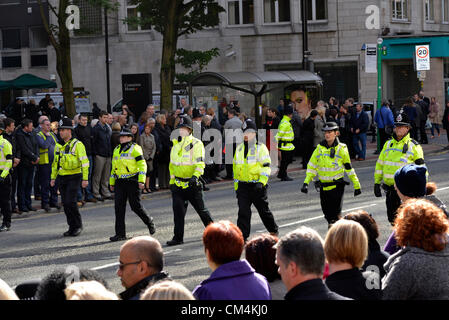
(300, 258)
(141, 265)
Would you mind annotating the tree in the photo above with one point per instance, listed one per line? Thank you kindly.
(196, 61)
(173, 19)
(59, 37)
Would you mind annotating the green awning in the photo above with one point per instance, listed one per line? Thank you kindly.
(5, 85)
(28, 81)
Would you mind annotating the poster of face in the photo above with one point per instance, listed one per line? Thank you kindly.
(303, 99)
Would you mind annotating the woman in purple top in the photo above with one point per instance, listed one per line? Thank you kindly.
(232, 278)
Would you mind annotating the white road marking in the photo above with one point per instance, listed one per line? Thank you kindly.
(318, 217)
(117, 263)
(441, 189)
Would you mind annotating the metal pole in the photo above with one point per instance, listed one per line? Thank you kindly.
(305, 42)
(106, 43)
(379, 85)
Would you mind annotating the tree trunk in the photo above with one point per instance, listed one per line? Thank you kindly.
(169, 46)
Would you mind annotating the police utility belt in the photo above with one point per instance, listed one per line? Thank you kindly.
(319, 184)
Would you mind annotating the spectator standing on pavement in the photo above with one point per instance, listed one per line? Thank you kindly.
(148, 144)
(43, 104)
(385, 122)
(261, 255)
(233, 123)
(308, 131)
(359, 126)
(345, 129)
(272, 122)
(6, 160)
(29, 158)
(141, 266)
(163, 132)
(346, 248)
(71, 166)
(434, 117)
(115, 135)
(127, 179)
(319, 123)
(83, 132)
(446, 122)
(128, 114)
(231, 278)
(53, 113)
(32, 112)
(135, 131)
(95, 111)
(101, 149)
(419, 270)
(9, 134)
(410, 109)
(422, 108)
(300, 258)
(167, 290)
(376, 256)
(47, 142)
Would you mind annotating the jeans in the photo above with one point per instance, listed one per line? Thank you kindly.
(355, 140)
(49, 194)
(436, 126)
(25, 184)
(88, 191)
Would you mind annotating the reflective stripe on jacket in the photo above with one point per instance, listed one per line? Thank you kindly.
(255, 167)
(5, 157)
(70, 159)
(392, 157)
(285, 135)
(43, 153)
(127, 163)
(330, 169)
(186, 160)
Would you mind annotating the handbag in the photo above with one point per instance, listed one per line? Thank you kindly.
(428, 124)
(387, 127)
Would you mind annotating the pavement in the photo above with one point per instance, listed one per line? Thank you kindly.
(436, 145)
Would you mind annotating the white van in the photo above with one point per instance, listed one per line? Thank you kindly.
(177, 96)
(82, 100)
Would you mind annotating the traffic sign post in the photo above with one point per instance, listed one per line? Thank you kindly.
(422, 57)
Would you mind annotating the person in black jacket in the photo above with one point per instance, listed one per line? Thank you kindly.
(300, 257)
(446, 121)
(101, 149)
(83, 132)
(9, 134)
(29, 157)
(32, 112)
(307, 138)
(163, 150)
(53, 113)
(376, 257)
(346, 248)
(272, 122)
(359, 126)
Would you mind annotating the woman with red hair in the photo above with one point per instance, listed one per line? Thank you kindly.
(232, 278)
(419, 270)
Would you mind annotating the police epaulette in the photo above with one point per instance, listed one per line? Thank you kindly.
(415, 142)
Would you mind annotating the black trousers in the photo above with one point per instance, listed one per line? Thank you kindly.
(127, 189)
(332, 202)
(5, 200)
(307, 153)
(393, 202)
(383, 137)
(14, 188)
(423, 133)
(68, 187)
(247, 194)
(181, 198)
(286, 159)
(229, 167)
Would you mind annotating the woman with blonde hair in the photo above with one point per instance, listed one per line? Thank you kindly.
(88, 290)
(148, 144)
(419, 270)
(167, 290)
(346, 249)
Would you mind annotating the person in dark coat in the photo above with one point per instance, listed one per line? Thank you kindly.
(53, 113)
(307, 138)
(95, 111)
(376, 257)
(32, 112)
(359, 126)
(29, 158)
(163, 150)
(300, 257)
(346, 249)
(272, 122)
(446, 121)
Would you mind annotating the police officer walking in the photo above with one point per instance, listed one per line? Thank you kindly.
(330, 161)
(127, 179)
(251, 172)
(5, 180)
(186, 166)
(71, 165)
(285, 137)
(400, 150)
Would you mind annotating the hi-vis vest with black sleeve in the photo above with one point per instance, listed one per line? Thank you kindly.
(285, 135)
(394, 155)
(255, 167)
(70, 159)
(186, 160)
(5, 157)
(330, 164)
(128, 162)
(43, 153)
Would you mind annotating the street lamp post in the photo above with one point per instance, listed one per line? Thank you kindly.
(379, 85)
(305, 41)
(106, 42)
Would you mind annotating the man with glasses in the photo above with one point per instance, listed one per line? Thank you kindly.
(141, 263)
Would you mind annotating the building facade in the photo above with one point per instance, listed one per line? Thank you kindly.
(257, 35)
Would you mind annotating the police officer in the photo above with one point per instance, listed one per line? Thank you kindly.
(251, 172)
(330, 161)
(400, 150)
(71, 165)
(285, 137)
(127, 179)
(5, 180)
(186, 166)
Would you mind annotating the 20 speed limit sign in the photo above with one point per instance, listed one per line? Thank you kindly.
(422, 55)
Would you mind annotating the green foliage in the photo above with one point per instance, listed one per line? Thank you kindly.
(196, 61)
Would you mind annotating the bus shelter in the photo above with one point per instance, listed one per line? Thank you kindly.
(252, 90)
